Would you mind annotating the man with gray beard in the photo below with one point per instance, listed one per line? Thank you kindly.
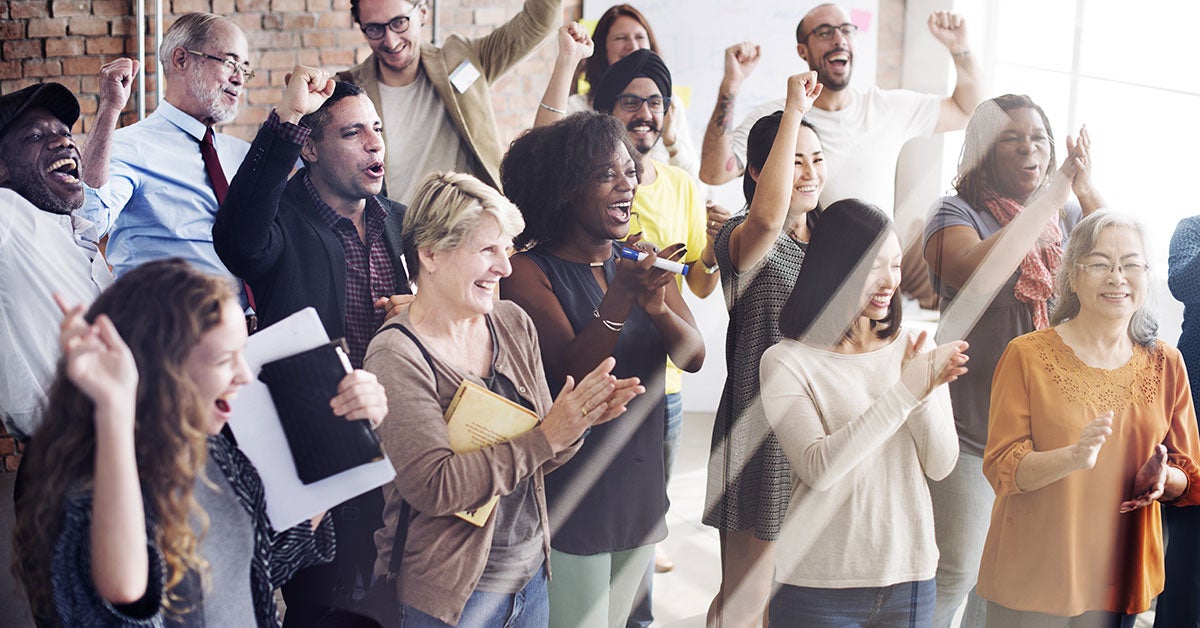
(169, 172)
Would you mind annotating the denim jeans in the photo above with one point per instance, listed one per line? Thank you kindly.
(962, 512)
(529, 608)
(908, 604)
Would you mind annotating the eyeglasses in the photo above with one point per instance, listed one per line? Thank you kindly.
(398, 24)
(243, 67)
(630, 102)
(825, 31)
(1103, 269)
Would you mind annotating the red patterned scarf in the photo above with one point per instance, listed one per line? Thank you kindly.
(1040, 264)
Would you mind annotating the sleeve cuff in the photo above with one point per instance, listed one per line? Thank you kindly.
(1006, 468)
(293, 133)
(1191, 494)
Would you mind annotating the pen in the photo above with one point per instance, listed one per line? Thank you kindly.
(664, 264)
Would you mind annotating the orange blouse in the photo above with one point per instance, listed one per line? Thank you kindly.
(1065, 548)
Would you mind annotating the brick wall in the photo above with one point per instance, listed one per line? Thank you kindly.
(68, 40)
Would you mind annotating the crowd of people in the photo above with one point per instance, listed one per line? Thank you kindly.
(1015, 469)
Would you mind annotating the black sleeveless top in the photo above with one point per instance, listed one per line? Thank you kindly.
(612, 495)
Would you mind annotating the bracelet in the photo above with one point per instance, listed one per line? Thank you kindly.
(710, 270)
(609, 325)
(561, 112)
(960, 54)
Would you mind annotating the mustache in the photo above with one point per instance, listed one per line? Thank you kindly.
(648, 122)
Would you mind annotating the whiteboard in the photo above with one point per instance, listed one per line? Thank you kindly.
(693, 35)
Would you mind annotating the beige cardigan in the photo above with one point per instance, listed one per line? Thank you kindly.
(444, 555)
(493, 55)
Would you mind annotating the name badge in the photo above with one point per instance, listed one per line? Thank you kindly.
(464, 76)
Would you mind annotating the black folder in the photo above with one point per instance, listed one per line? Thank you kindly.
(322, 443)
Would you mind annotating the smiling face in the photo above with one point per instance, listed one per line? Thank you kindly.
(398, 54)
(603, 212)
(883, 280)
(210, 90)
(466, 275)
(644, 126)
(39, 160)
(1021, 155)
(1114, 294)
(217, 367)
(810, 172)
(346, 155)
(832, 58)
(625, 36)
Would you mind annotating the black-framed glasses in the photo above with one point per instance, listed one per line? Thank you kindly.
(398, 24)
(825, 31)
(1104, 269)
(630, 102)
(242, 67)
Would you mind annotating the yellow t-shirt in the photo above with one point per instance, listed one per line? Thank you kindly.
(667, 211)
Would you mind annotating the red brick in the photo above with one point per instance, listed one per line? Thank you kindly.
(223, 7)
(88, 105)
(125, 25)
(89, 84)
(88, 25)
(64, 47)
(319, 39)
(81, 65)
(14, 84)
(21, 10)
(8, 445)
(248, 22)
(4, 11)
(341, 5)
(263, 96)
(105, 45)
(63, 8)
(351, 38)
(70, 82)
(10, 69)
(42, 67)
(339, 58)
(277, 76)
(179, 7)
(318, 6)
(287, 5)
(12, 30)
(48, 27)
(111, 7)
(272, 22)
(339, 20)
(309, 56)
(300, 21)
(22, 48)
(277, 60)
(249, 6)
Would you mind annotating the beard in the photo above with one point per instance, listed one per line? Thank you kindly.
(215, 108)
(24, 180)
(644, 144)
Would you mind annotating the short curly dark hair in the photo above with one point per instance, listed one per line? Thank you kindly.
(547, 168)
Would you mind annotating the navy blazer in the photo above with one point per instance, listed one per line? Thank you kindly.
(269, 232)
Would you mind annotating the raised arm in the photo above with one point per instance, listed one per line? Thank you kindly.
(750, 241)
(950, 29)
(574, 45)
(116, 83)
(517, 38)
(717, 161)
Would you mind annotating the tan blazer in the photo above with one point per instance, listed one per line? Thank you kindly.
(493, 55)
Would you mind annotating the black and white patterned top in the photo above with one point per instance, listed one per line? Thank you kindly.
(277, 555)
(749, 479)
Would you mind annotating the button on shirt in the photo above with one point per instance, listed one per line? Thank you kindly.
(369, 272)
(158, 201)
(44, 253)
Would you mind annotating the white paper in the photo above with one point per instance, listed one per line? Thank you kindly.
(464, 76)
(255, 424)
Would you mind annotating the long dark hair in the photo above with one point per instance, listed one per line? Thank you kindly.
(977, 161)
(836, 264)
(758, 148)
(161, 309)
(547, 168)
(595, 65)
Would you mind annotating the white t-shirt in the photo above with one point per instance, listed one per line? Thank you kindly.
(861, 142)
(44, 254)
(860, 448)
(419, 135)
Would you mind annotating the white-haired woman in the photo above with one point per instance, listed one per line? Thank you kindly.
(1091, 424)
(458, 236)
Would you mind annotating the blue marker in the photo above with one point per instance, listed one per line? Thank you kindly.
(664, 264)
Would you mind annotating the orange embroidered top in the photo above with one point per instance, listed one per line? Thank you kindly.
(1065, 548)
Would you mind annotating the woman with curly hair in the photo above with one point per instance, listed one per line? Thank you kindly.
(574, 182)
(138, 511)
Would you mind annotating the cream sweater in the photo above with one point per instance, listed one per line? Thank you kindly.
(859, 445)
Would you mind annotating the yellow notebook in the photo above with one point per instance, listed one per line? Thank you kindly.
(478, 418)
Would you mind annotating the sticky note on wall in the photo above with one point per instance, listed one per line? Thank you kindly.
(861, 19)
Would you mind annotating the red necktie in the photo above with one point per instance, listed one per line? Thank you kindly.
(216, 177)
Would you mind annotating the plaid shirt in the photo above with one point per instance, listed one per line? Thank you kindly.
(369, 272)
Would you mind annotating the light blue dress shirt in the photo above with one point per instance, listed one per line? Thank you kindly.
(158, 201)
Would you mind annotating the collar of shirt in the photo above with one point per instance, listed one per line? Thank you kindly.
(185, 122)
(374, 212)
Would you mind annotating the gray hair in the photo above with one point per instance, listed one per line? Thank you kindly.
(1143, 327)
(446, 208)
(187, 32)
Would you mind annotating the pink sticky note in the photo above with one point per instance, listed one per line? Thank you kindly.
(861, 19)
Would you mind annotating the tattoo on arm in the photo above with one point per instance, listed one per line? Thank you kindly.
(721, 117)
